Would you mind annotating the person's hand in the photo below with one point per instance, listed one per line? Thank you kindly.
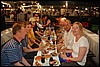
(43, 25)
(40, 47)
(28, 65)
(61, 44)
(63, 50)
(63, 55)
(39, 40)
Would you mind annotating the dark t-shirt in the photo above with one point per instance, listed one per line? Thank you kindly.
(24, 44)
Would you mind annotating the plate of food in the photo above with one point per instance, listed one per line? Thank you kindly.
(45, 52)
(54, 54)
(56, 62)
(38, 58)
(47, 56)
(38, 64)
(49, 48)
(52, 47)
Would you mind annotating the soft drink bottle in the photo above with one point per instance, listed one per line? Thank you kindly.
(51, 61)
(43, 59)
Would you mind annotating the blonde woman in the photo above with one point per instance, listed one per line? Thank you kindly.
(79, 49)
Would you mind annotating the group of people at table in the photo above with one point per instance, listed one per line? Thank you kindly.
(26, 42)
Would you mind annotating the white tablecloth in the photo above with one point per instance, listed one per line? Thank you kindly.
(93, 43)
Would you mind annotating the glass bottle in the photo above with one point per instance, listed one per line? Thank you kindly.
(51, 61)
(43, 59)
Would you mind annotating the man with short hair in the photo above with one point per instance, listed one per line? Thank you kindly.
(67, 37)
(11, 53)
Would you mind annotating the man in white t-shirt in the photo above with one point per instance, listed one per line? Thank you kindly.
(67, 37)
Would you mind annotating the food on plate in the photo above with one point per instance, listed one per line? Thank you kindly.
(37, 63)
(54, 54)
(48, 43)
(52, 47)
(48, 48)
(47, 56)
(44, 38)
(44, 46)
(45, 52)
(38, 58)
(56, 62)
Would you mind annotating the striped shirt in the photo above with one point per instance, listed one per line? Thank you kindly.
(11, 53)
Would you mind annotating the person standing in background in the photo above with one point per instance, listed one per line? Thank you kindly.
(21, 16)
(15, 15)
(29, 15)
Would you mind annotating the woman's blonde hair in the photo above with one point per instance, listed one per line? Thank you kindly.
(79, 24)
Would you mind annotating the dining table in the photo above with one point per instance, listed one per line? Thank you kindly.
(49, 49)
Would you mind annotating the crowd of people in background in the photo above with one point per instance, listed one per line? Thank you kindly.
(19, 15)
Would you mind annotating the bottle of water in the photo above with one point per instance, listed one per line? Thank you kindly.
(51, 37)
